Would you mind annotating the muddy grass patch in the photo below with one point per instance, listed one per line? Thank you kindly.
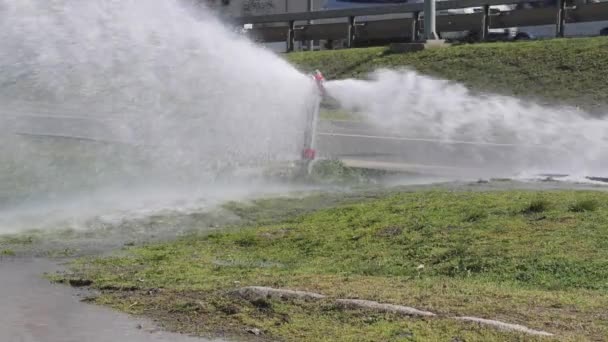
(389, 232)
(211, 314)
(226, 315)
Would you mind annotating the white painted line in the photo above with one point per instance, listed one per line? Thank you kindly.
(75, 137)
(63, 117)
(454, 142)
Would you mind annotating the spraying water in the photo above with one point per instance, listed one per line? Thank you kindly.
(444, 123)
(157, 93)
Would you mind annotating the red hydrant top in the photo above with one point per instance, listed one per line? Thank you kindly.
(320, 79)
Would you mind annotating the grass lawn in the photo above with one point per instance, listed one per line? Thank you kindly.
(539, 259)
(557, 71)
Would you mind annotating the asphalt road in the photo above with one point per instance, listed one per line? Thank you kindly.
(362, 145)
(357, 144)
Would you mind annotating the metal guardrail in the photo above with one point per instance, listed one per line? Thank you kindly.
(409, 28)
(370, 11)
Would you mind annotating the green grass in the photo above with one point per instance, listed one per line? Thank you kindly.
(7, 253)
(537, 205)
(17, 239)
(583, 206)
(498, 255)
(559, 70)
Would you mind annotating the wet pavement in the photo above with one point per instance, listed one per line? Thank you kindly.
(34, 310)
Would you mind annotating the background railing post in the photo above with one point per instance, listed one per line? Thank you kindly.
(561, 18)
(415, 25)
(430, 28)
(485, 23)
(291, 36)
(351, 32)
(311, 43)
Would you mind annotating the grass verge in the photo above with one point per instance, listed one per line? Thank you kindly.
(557, 70)
(497, 255)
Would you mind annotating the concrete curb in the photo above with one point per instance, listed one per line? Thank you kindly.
(252, 293)
(260, 292)
(380, 307)
(504, 326)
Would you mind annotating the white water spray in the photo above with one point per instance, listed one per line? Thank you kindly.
(445, 123)
(173, 91)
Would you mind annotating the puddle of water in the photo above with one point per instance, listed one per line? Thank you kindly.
(33, 310)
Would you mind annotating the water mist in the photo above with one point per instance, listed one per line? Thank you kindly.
(158, 93)
(443, 123)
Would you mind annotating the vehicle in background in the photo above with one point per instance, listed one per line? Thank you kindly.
(494, 34)
(511, 33)
(583, 29)
(464, 35)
